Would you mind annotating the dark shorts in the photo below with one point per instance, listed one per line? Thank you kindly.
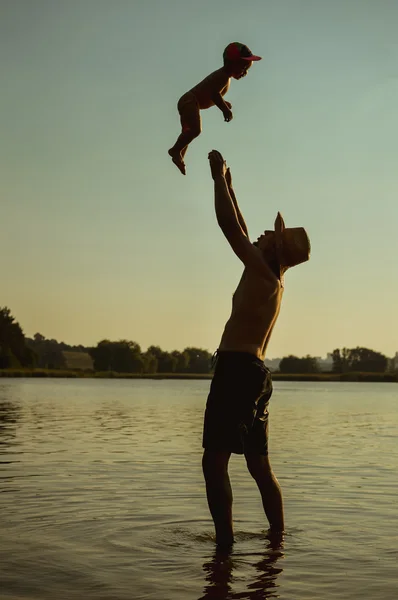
(189, 110)
(236, 416)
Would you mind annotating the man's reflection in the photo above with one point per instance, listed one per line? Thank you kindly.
(219, 575)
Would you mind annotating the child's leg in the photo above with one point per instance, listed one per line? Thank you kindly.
(191, 128)
(183, 152)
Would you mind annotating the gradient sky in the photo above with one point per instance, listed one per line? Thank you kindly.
(100, 235)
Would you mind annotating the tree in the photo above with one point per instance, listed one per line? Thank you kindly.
(199, 360)
(49, 354)
(360, 360)
(341, 360)
(126, 357)
(294, 364)
(366, 360)
(166, 361)
(123, 357)
(102, 356)
(150, 362)
(13, 349)
(310, 364)
(182, 361)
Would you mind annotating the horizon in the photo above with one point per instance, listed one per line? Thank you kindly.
(105, 239)
(269, 358)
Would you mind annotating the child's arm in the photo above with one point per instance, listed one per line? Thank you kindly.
(219, 83)
(226, 111)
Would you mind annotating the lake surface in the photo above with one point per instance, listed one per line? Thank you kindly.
(102, 495)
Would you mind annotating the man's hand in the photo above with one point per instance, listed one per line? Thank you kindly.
(218, 166)
(228, 177)
(228, 116)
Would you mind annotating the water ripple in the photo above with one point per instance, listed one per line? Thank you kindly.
(102, 494)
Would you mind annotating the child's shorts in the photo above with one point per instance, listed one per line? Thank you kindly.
(236, 416)
(188, 108)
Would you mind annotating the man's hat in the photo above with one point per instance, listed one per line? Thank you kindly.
(292, 244)
(236, 51)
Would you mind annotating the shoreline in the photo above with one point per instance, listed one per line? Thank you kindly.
(76, 374)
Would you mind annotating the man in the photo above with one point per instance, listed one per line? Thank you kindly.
(236, 417)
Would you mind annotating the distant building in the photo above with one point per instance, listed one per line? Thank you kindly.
(325, 364)
(392, 364)
(272, 363)
(78, 361)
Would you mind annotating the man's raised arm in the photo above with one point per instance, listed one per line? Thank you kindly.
(227, 216)
(228, 179)
(228, 220)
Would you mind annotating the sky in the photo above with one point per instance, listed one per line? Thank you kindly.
(102, 237)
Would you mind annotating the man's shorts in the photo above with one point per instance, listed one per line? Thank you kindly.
(236, 416)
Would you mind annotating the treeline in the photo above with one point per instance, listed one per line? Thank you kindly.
(121, 356)
(347, 360)
(359, 360)
(294, 364)
(49, 354)
(126, 356)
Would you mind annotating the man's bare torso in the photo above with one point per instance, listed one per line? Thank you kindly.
(255, 309)
(216, 82)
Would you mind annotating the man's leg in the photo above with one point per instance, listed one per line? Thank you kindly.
(219, 494)
(271, 494)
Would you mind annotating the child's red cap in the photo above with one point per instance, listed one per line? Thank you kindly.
(236, 51)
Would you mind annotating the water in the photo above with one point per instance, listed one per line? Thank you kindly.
(102, 494)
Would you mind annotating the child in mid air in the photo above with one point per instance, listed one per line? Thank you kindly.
(209, 92)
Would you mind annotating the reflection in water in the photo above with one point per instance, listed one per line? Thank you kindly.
(102, 494)
(112, 418)
(220, 577)
(9, 415)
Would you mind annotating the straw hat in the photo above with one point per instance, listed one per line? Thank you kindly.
(292, 243)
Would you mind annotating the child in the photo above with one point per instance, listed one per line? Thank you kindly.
(209, 92)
